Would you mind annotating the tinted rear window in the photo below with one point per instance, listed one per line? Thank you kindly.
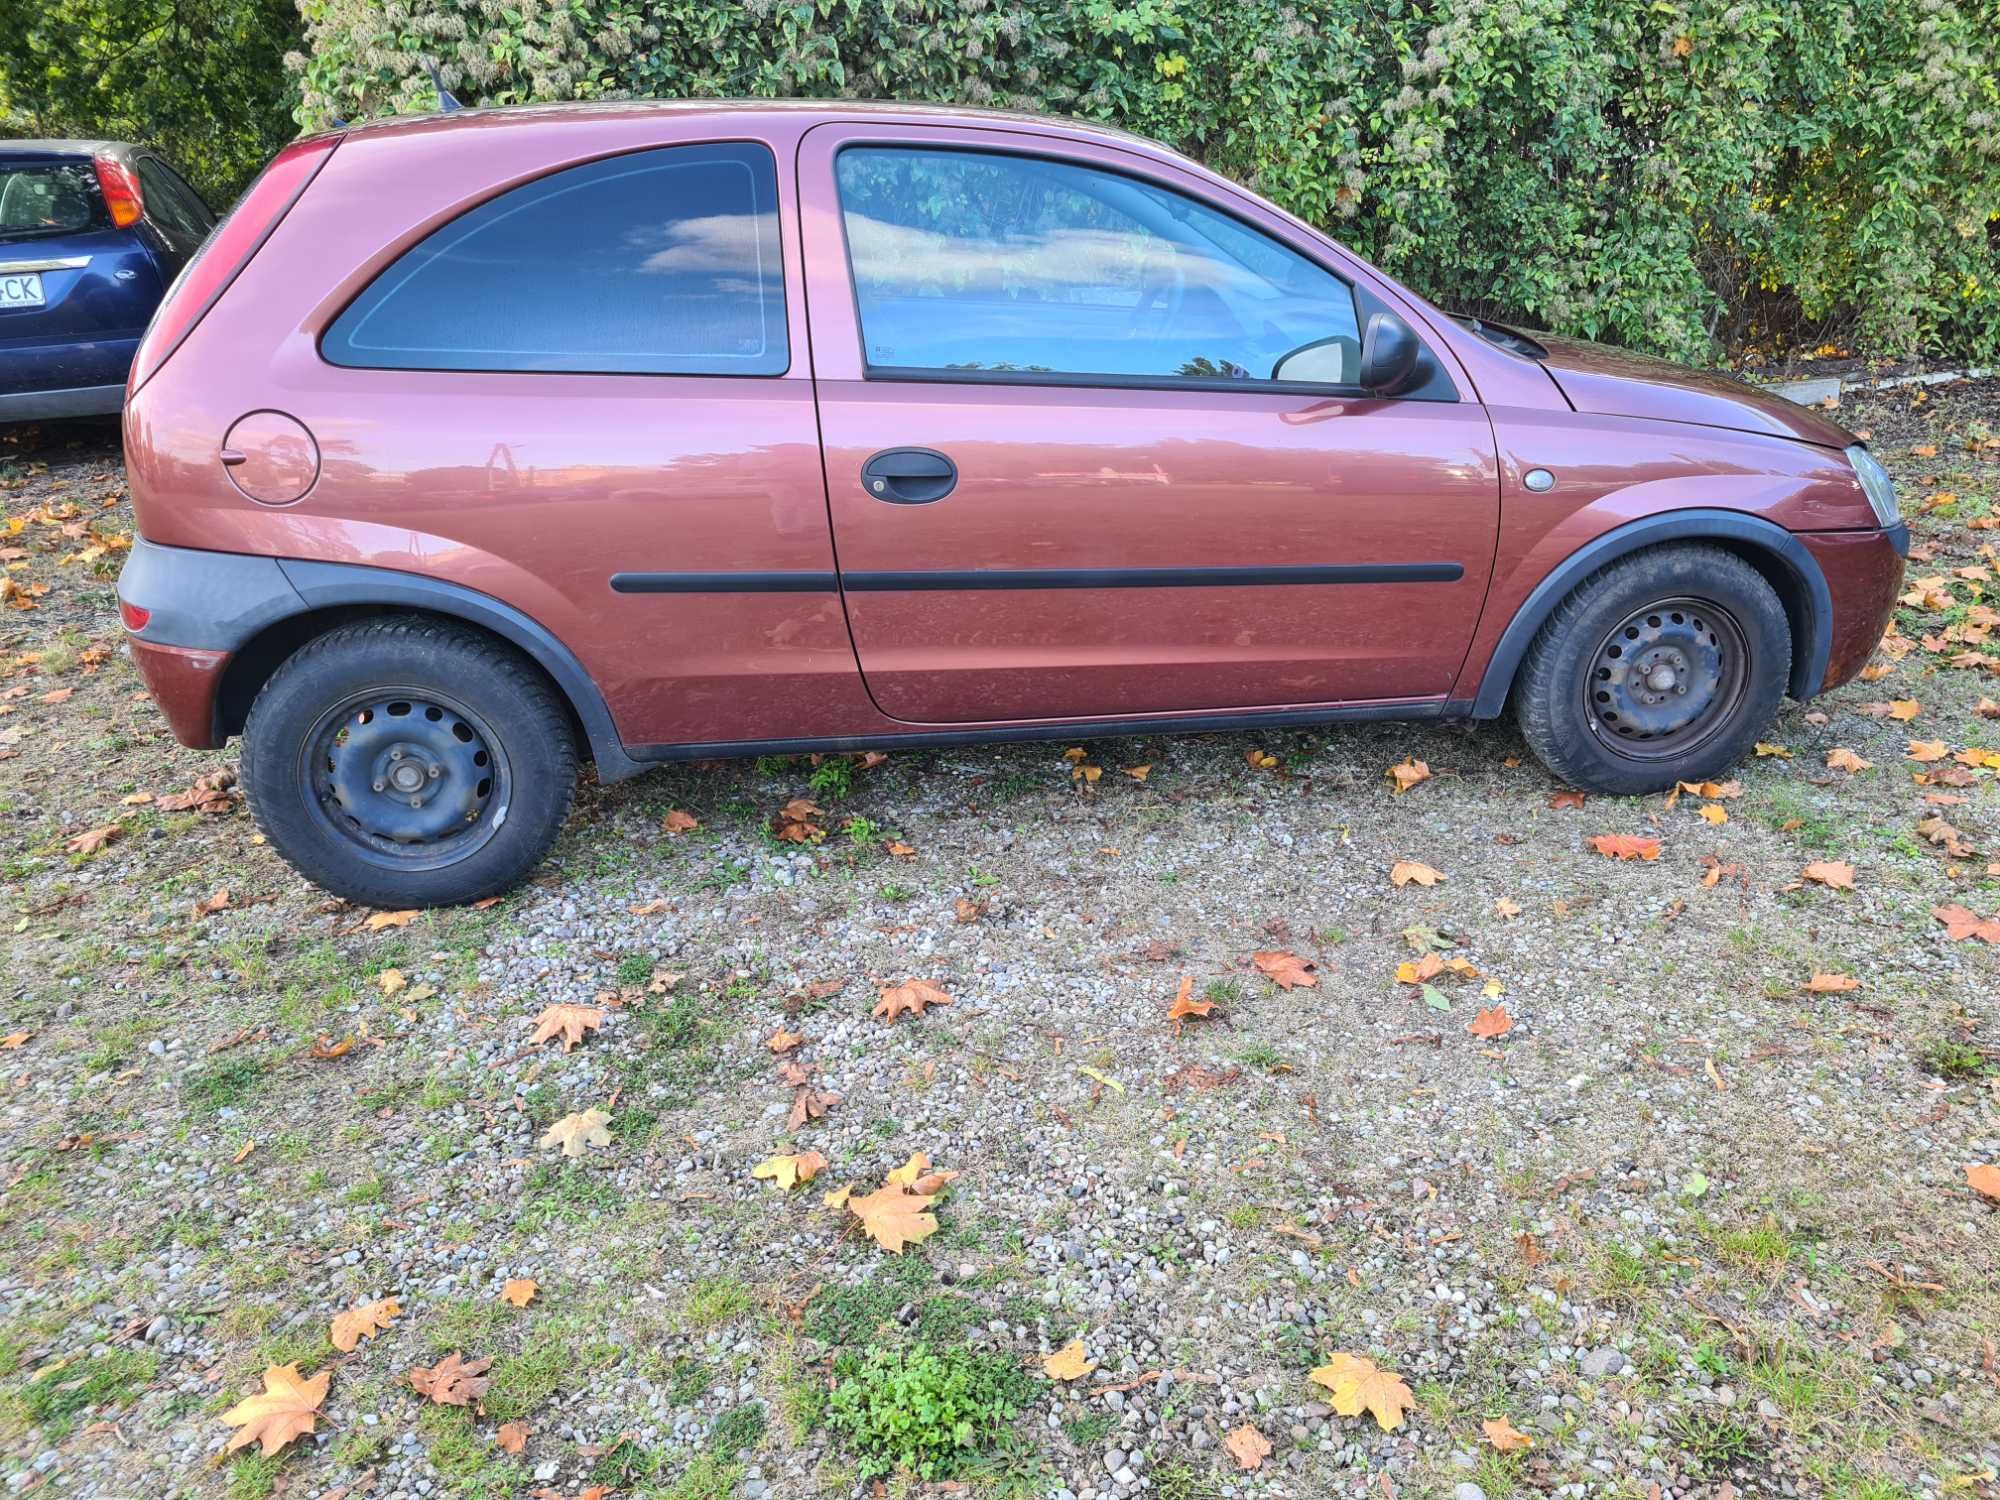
(663, 262)
(49, 198)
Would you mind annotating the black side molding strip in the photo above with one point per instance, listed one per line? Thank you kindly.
(1070, 729)
(1148, 578)
(1030, 578)
(724, 583)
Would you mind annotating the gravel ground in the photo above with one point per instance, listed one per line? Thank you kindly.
(1690, 1227)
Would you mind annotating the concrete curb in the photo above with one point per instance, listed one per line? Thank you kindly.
(1820, 389)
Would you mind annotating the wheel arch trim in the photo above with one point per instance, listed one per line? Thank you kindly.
(331, 586)
(1772, 549)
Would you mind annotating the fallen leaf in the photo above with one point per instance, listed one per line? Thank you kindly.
(1491, 1022)
(909, 997)
(1286, 970)
(93, 839)
(1406, 870)
(1406, 774)
(965, 909)
(1773, 750)
(893, 1216)
(568, 1021)
(1831, 984)
(520, 1290)
(1247, 1446)
(1186, 1005)
(679, 822)
(1625, 846)
(14, 1039)
(1926, 751)
(1501, 1434)
(283, 1410)
(362, 1321)
(1714, 815)
(1138, 773)
(575, 1131)
(392, 980)
(1843, 759)
(789, 1172)
(1836, 873)
(782, 1041)
(382, 919)
(1960, 924)
(512, 1437)
(793, 823)
(1567, 800)
(60, 695)
(452, 1381)
(326, 1049)
(1984, 1179)
(1359, 1384)
(1260, 760)
(1507, 909)
(1069, 1362)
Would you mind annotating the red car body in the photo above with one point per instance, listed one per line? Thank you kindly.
(699, 566)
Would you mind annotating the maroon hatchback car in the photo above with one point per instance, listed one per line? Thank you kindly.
(472, 446)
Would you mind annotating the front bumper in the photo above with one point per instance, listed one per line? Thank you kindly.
(1864, 574)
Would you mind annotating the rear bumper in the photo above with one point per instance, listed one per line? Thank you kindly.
(185, 682)
(77, 401)
(1864, 574)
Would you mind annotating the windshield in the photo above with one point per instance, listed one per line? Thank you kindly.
(48, 198)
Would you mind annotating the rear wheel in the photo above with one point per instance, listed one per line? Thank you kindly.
(1661, 667)
(408, 762)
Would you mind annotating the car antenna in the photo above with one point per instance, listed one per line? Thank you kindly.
(446, 101)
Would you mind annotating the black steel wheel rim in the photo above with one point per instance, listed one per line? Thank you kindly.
(1667, 679)
(408, 778)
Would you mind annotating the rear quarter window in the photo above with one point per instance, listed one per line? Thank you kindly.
(662, 262)
(49, 198)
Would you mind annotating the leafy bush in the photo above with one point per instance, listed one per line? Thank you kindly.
(929, 1413)
(1680, 176)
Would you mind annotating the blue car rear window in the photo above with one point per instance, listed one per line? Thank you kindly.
(39, 198)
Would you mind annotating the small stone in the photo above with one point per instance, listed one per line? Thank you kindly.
(1602, 1362)
(1465, 1489)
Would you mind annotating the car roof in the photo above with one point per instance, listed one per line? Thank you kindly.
(830, 109)
(56, 148)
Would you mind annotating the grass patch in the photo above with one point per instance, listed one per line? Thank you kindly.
(738, 1429)
(57, 1398)
(1948, 1058)
(855, 1314)
(935, 1414)
(707, 1478)
(226, 1081)
(714, 1301)
(1712, 1441)
(679, 1056)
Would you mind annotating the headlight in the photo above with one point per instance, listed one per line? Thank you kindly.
(1875, 483)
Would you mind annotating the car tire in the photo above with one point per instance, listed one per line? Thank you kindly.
(1661, 667)
(409, 762)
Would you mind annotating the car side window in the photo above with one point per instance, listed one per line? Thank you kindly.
(661, 262)
(1021, 266)
(164, 201)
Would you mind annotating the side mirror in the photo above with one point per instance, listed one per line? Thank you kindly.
(1390, 353)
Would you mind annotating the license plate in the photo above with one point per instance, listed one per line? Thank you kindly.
(21, 289)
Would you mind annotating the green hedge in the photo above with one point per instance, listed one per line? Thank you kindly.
(1686, 176)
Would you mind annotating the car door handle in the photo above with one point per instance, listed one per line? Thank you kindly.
(909, 476)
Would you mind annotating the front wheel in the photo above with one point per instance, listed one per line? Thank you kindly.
(1661, 667)
(409, 762)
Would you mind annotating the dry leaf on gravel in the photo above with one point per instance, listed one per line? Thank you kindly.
(679, 822)
(452, 1381)
(1286, 970)
(1406, 773)
(568, 1021)
(1625, 846)
(93, 839)
(1567, 800)
(1835, 873)
(1960, 924)
(362, 1321)
(1359, 1384)
(512, 1437)
(894, 1217)
(782, 1041)
(1186, 1005)
(1404, 871)
(520, 1290)
(789, 1172)
(1843, 759)
(573, 1132)
(1984, 1179)
(283, 1410)
(1070, 1362)
(382, 919)
(1507, 910)
(1247, 1446)
(1831, 984)
(1926, 751)
(1501, 1434)
(1491, 1023)
(908, 998)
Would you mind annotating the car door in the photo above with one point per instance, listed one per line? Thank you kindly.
(1064, 478)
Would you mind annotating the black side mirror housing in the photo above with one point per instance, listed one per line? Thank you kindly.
(1390, 355)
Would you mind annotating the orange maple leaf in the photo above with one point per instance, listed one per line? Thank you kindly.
(1625, 846)
(1406, 870)
(520, 1290)
(894, 1217)
(1247, 1446)
(1186, 1005)
(1501, 1434)
(1406, 773)
(1834, 873)
(362, 1321)
(1491, 1022)
(567, 1020)
(452, 1381)
(283, 1410)
(1832, 984)
(1286, 970)
(678, 822)
(1984, 1179)
(911, 996)
(1960, 924)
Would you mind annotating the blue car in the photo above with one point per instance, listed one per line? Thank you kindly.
(92, 233)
